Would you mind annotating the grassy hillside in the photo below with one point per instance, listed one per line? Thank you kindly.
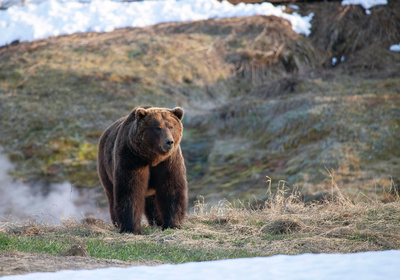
(260, 101)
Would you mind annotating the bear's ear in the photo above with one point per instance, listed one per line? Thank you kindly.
(178, 111)
(140, 113)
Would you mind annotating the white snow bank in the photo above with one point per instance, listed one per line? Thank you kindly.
(366, 4)
(395, 48)
(366, 266)
(52, 18)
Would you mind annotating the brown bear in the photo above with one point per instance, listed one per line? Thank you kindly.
(142, 170)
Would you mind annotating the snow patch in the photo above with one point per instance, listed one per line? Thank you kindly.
(366, 4)
(395, 48)
(366, 266)
(52, 18)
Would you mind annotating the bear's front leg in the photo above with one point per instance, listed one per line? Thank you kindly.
(129, 198)
(169, 180)
(172, 202)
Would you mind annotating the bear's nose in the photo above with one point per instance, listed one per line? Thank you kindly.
(169, 142)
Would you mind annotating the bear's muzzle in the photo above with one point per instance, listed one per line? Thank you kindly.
(168, 145)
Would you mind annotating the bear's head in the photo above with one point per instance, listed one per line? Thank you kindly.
(159, 129)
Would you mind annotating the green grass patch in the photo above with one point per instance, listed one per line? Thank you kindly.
(40, 245)
(146, 251)
(119, 249)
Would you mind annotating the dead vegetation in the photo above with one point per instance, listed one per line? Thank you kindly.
(282, 225)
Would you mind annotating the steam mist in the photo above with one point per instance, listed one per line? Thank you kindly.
(20, 201)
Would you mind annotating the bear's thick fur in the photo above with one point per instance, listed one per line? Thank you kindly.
(142, 170)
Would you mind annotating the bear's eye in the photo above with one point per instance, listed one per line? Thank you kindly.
(158, 128)
(171, 128)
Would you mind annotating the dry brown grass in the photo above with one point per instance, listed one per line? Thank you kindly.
(281, 225)
(286, 225)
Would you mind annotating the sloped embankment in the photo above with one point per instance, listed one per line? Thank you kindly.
(260, 100)
(315, 124)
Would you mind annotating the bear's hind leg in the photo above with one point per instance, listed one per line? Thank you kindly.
(151, 212)
(108, 188)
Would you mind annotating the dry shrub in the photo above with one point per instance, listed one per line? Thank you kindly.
(221, 213)
(29, 230)
(91, 221)
(89, 226)
(283, 226)
(78, 249)
(340, 232)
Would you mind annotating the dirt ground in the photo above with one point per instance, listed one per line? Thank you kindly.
(12, 263)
